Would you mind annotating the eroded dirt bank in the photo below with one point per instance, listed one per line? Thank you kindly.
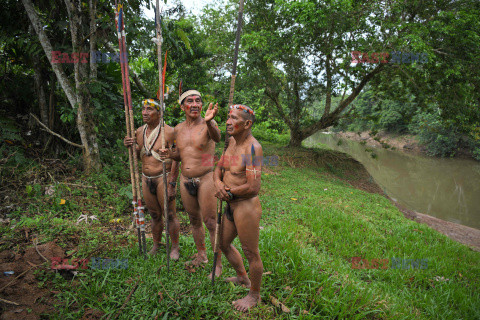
(407, 143)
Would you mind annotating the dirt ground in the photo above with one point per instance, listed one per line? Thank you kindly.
(463, 234)
(21, 296)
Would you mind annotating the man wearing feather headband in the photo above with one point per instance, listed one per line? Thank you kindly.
(148, 142)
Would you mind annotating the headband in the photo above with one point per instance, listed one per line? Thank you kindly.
(151, 102)
(243, 107)
(188, 93)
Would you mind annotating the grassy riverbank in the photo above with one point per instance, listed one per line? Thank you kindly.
(314, 221)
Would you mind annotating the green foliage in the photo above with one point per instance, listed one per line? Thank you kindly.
(12, 145)
(377, 111)
(440, 137)
(449, 80)
(262, 132)
(476, 153)
(307, 240)
(33, 191)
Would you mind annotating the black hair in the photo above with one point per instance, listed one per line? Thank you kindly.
(247, 115)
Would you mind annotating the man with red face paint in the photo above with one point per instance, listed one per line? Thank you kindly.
(238, 183)
(195, 139)
(148, 143)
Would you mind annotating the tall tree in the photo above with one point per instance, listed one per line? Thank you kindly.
(449, 82)
(78, 95)
(299, 52)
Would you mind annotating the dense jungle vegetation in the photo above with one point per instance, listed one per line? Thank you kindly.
(407, 67)
(295, 69)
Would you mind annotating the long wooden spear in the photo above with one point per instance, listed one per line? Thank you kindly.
(227, 136)
(132, 154)
(161, 90)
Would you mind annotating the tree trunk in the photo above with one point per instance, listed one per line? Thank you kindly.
(47, 48)
(296, 138)
(93, 38)
(85, 125)
(51, 103)
(40, 89)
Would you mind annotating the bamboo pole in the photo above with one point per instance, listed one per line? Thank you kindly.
(161, 88)
(132, 156)
(227, 136)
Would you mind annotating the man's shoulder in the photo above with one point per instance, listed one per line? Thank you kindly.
(178, 128)
(180, 125)
(140, 129)
(254, 141)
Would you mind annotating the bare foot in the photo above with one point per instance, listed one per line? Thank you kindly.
(247, 302)
(154, 250)
(174, 253)
(243, 280)
(198, 259)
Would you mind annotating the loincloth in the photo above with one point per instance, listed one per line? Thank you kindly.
(192, 184)
(152, 182)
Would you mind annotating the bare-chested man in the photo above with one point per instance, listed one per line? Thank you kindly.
(237, 181)
(195, 141)
(148, 143)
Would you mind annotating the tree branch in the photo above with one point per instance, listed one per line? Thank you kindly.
(297, 108)
(329, 119)
(56, 134)
(47, 48)
(328, 99)
(9, 302)
(269, 93)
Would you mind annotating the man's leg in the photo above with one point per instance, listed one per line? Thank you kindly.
(174, 230)
(247, 215)
(173, 223)
(229, 232)
(155, 211)
(191, 207)
(208, 211)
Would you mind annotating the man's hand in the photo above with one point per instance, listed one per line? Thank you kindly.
(221, 191)
(211, 113)
(169, 153)
(128, 142)
(164, 153)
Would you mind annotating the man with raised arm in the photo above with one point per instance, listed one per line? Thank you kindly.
(195, 142)
(237, 181)
(148, 142)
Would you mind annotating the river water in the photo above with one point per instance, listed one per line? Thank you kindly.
(448, 189)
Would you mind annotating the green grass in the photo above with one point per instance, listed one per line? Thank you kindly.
(313, 224)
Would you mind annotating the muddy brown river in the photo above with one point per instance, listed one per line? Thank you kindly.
(448, 189)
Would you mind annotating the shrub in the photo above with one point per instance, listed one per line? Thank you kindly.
(439, 137)
(262, 132)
